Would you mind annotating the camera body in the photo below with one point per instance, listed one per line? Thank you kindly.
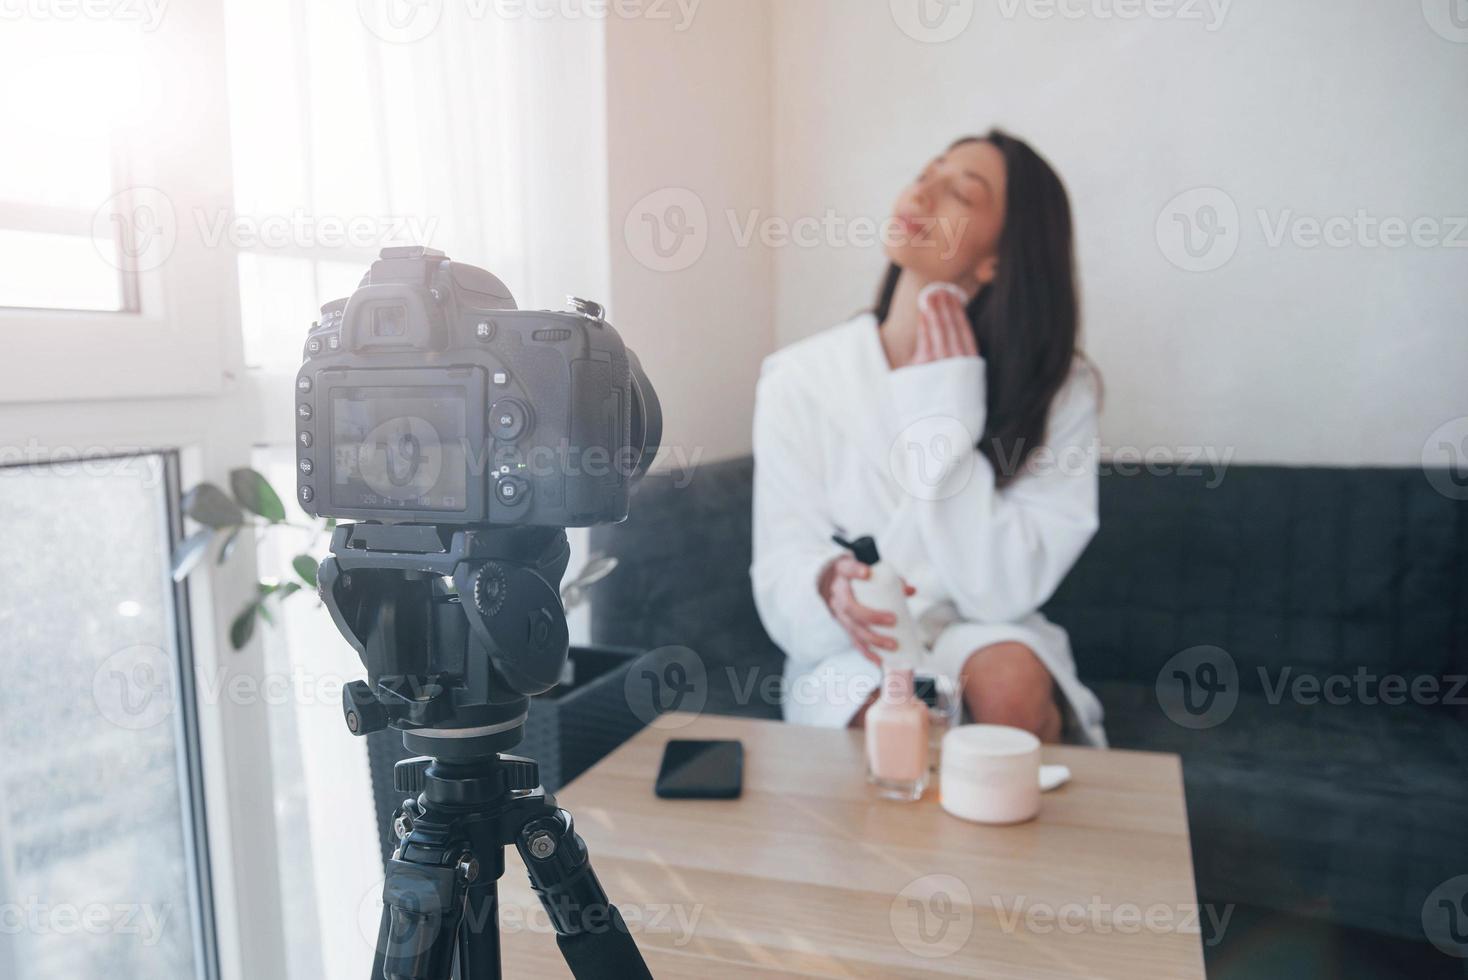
(427, 397)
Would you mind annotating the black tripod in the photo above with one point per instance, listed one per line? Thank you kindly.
(456, 628)
(441, 902)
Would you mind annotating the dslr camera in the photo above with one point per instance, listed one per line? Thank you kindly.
(427, 397)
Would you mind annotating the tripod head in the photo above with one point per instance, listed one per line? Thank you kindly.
(457, 626)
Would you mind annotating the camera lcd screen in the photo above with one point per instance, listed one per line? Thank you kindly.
(399, 448)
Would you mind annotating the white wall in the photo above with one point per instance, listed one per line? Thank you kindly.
(689, 126)
(1317, 107)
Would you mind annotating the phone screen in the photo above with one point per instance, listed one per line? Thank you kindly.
(701, 770)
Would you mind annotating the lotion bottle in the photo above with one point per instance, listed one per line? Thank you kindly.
(885, 592)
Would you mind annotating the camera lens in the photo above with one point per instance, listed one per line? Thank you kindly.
(647, 419)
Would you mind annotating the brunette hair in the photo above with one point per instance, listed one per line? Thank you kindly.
(1027, 321)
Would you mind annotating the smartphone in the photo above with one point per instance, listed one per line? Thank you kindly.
(701, 771)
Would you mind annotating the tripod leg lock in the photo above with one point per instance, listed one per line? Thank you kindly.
(560, 870)
(593, 937)
(422, 908)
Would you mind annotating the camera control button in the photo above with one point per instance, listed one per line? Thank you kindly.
(485, 330)
(307, 466)
(303, 412)
(512, 490)
(305, 439)
(307, 495)
(508, 419)
(313, 346)
(303, 385)
(334, 342)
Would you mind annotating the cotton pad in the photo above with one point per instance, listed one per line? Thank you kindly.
(925, 298)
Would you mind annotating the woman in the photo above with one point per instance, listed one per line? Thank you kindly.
(961, 436)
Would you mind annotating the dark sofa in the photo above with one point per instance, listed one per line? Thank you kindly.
(1341, 809)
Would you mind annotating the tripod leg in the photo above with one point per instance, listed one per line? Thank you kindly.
(423, 906)
(479, 934)
(589, 930)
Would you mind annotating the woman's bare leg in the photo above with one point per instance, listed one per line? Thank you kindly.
(1006, 684)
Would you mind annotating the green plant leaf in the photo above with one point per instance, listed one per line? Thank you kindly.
(265, 613)
(288, 590)
(243, 627)
(227, 549)
(256, 495)
(190, 552)
(212, 507)
(305, 567)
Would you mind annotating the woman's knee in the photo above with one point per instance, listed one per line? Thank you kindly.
(1007, 684)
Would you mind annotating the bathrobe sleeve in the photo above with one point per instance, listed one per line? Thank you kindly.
(1000, 555)
(792, 523)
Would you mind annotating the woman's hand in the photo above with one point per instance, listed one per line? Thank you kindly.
(944, 330)
(859, 621)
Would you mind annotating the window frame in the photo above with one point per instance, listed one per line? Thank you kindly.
(191, 762)
(175, 337)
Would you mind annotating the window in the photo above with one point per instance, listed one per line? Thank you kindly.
(102, 864)
(109, 119)
(169, 219)
(64, 243)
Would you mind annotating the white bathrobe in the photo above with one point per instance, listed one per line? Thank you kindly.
(843, 442)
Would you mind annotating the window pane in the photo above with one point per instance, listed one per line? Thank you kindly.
(60, 272)
(59, 89)
(68, 91)
(96, 855)
(276, 309)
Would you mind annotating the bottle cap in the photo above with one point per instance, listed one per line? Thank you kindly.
(897, 683)
(865, 549)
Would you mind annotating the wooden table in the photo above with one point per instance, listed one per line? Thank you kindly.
(810, 875)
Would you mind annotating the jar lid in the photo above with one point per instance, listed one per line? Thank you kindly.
(988, 742)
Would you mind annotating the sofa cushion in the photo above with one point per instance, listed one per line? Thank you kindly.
(1348, 812)
(683, 580)
(1324, 570)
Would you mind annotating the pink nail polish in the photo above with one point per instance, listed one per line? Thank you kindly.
(897, 739)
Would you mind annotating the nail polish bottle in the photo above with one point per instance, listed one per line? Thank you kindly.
(897, 737)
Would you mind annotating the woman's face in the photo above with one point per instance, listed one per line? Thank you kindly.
(949, 220)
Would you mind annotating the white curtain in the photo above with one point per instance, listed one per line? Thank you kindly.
(455, 134)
